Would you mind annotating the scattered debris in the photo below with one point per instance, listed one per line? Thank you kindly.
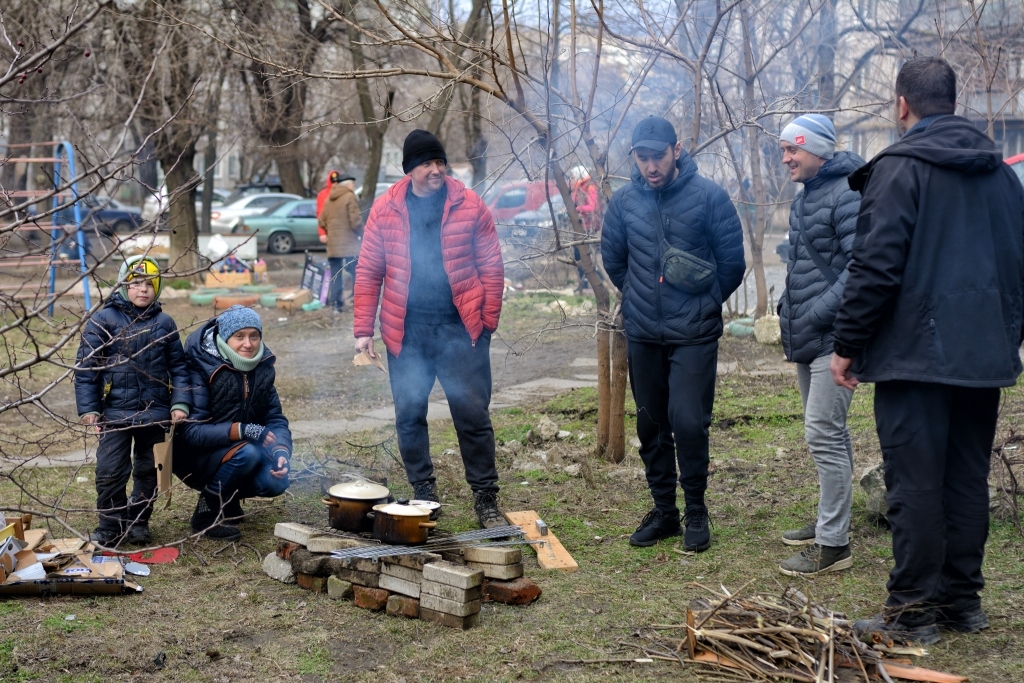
(872, 480)
(767, 329)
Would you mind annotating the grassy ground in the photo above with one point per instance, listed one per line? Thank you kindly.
(215, 616)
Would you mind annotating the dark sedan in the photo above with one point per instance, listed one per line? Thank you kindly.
(99, 215)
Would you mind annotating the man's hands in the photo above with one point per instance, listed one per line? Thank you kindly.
(178, 416)
(91, 420)
(841, 373)
(365, 344)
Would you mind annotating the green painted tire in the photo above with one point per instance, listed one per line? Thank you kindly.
(257, 289)
(205, 298)
(270, 300)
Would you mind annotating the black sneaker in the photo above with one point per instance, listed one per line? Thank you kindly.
(962, 621)
(427, 490)
(138, 534)
(888, 626)
(818, 559)
(106, 537)
(802, 536)
(485, 503)
(656, 525)
(207, 517)
(698, 529)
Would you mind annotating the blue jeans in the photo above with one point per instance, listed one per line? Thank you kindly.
(247, 475)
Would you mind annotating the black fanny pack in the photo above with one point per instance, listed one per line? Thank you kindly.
(681, 269)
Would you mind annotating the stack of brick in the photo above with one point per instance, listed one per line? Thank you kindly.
(450, 594)
(502, 567)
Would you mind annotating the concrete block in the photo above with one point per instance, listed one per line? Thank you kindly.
(459, 609)
(412, 561)
(443, 590)
(286, 548)
(517, 592)
(452, 574)
(320, 564)
(360, 564)
(296, 533)
(396, 585)
(358, 578)
(449, 620)
(278, 569)
(326, 544)
(404, 573)
(403, 606)
(453, 556)
(338, 589)
(496, 555)
(374, 599)
(503, 572)
(317, 584)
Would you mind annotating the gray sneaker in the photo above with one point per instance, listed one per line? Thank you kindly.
(818, 559)
(804, 536)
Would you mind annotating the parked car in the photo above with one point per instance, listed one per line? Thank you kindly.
(381, 189)
(509, 199)
(529, 224)
(114, 204)
(288, 226)
(1017, 164)
(267, 185)
(226, 218)
(99, 214)
(156, 205)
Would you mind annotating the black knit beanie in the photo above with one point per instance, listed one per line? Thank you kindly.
(421, 146)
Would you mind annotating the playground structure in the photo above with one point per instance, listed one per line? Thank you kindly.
(28, 254)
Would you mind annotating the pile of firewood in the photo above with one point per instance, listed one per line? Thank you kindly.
(764, 637)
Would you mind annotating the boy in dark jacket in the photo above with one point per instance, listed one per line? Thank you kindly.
(131, 378)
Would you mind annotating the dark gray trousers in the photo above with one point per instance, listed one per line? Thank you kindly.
(114, 466)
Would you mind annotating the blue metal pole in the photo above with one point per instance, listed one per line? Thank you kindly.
(69, 152)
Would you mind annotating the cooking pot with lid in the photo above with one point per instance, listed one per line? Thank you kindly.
(349, 503)
(401, 524)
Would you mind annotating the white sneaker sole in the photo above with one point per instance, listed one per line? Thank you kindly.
(787, 541)
(842, 564)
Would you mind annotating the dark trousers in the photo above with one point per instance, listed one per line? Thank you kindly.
(936, 441)
(674, 390)
(114, 467)
(444, 352)
(336, 291)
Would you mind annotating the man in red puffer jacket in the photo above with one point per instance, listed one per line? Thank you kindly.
(431, 242)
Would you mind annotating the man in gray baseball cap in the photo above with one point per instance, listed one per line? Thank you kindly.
(673, 245)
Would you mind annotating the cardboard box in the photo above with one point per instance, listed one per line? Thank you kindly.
(292, 301)
(228, 279)
(83, 575)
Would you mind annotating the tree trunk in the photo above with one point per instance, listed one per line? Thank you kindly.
(616, 451)
(755, 231)
(827, 56)
(209, 161)
(181, 220)
(290, 171)
(604, 391)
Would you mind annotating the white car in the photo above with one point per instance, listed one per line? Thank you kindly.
(225, 218)
(157, 204)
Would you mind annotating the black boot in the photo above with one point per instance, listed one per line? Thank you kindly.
(138, 534)
(206, 518)
(233, 512)
(656, 525)
(107, 537)
(485, 503)
(427, 490)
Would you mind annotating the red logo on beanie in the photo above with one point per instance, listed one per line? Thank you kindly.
(800, 140)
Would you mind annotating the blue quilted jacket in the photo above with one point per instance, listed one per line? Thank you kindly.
(698, 217)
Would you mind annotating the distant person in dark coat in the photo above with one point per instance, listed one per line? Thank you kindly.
(338, 222)
(237, 444)
(672, 329)
(932, 313)
(131, 380)
(822, 220)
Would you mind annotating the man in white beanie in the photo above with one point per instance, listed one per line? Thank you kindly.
(822, 222)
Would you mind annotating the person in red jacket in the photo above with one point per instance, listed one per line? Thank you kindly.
(431, 243)
(333, 177)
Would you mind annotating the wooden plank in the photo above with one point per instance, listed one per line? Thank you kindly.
(550, 555)
(916, 673)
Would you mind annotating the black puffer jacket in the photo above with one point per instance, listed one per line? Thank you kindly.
(699, 218)
(809, 305)
(222, 396)
(131, 367)
(936, 285)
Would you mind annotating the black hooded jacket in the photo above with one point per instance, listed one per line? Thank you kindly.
(698, 217)
(130, 368)
(222, 396)
(936, 285)
(809, 305)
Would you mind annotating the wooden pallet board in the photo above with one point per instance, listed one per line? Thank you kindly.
(552, 554)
